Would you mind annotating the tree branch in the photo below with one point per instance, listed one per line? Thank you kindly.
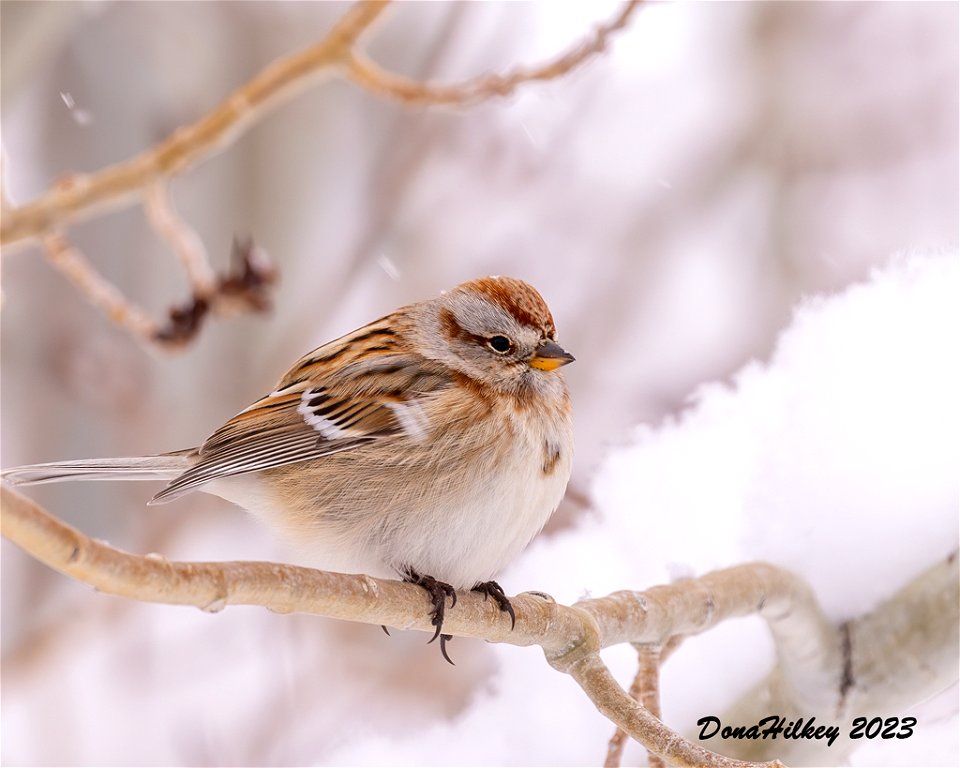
(245, 288)
(822, 670)
(77, 196)
(99, 291)
(613, 702)
(645, 689)
(412, 93)
(900, 653)
(570, 636)
(144, 178)
(80, 195)
(182, 239)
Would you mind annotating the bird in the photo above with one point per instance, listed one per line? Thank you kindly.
(431, 445)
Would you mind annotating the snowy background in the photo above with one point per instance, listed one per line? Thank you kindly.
(744, 218)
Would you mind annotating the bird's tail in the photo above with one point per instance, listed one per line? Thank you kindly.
(164, 467)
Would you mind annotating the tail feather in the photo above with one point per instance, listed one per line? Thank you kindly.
(165, 467)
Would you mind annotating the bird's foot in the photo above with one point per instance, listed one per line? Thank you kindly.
(438, 591)
(494, 590)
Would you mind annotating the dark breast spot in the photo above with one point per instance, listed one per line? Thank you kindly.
(551, 457)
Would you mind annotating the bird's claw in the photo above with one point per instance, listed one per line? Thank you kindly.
(438, 591)
(494, 590)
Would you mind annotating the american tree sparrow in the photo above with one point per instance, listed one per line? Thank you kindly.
(433, 443)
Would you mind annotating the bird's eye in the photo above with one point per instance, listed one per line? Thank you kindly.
(500, 344)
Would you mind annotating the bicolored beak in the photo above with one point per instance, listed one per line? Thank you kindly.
(549, 356)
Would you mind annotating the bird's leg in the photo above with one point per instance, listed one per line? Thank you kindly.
(494, 590)
(438, 591)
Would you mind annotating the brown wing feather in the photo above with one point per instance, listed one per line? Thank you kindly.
(308, 416)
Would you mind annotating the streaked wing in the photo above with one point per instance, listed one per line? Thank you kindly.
(314, 415)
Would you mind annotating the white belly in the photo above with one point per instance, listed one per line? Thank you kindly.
(470, 542)
(463, 530)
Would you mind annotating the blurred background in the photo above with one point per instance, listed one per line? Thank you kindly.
(672, 200)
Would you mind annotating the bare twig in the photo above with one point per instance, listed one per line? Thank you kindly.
(613, 702)
(366, 73)
(80, 195)
(244, 288)
(645, 689)
(145, 177)
(99, 291)
(181, 237)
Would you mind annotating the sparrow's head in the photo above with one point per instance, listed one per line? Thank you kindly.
(495, 330)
